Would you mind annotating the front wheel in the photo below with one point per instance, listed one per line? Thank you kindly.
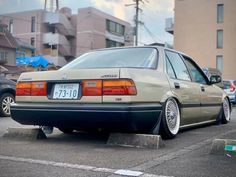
(226, 113)
(170, 121)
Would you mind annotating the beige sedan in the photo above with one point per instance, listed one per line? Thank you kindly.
(136, 89)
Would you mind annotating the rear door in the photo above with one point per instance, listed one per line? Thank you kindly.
(186, 91)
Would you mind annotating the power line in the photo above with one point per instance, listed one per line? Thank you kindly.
(136, 19)
(152, 34)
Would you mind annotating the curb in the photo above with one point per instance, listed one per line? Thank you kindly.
(223, 147)
(25, 133)
(135, 140)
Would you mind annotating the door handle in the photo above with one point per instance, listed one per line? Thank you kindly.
(177, 86)
(202, 88)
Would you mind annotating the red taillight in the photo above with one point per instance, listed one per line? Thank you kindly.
(23, 88)
(38, 88)
(31, 89)
(108, 87)
(232, 87)
(119, 87)
(92, 88)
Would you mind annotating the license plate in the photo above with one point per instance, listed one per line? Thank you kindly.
(66, 91)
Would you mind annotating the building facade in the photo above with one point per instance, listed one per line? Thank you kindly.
(7, 46)
(61, 36)
(205, 30)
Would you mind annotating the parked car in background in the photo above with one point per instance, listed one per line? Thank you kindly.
(214, 73)
(133, 89)
(7, 96)
(230, 89)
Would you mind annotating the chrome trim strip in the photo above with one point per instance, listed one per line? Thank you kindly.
(199, 123)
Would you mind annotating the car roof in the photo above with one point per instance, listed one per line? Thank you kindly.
(146, 46)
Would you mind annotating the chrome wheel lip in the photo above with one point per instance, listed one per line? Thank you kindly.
(226, 109)
(6, 103)
(172, 116)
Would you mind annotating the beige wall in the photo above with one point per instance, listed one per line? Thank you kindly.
(195, 31)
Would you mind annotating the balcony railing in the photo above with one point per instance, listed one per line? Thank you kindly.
(64, 47)
(61, 22)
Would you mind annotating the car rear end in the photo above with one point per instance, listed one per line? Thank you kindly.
(119, 99)
(230, 89)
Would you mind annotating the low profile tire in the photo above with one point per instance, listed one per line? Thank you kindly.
(170, 121)
(226, 111)
(66, 130)
(6, 100)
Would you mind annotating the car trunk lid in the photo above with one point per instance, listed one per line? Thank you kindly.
(62, 80)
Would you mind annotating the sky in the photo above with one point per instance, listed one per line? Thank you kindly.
(154, 13)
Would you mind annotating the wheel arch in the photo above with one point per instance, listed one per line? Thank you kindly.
(8, 90)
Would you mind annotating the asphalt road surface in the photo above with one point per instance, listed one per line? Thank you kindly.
(87, 155)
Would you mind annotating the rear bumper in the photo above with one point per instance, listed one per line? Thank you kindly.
(115, 117)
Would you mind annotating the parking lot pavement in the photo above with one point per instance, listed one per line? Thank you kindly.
(81, 154)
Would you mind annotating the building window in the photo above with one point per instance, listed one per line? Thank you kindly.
(20, 53)
(111, 43)
(219, 62)
(2, 30)
(11, 26)
(115, 28)
(32, 41)
(219, 39)
(220, 13)
(3, 57)
(32, 24)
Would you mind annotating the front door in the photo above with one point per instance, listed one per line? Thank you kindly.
(211, 95)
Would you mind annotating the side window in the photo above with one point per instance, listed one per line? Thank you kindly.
(194, 71)
(170, 70)
(179, 67)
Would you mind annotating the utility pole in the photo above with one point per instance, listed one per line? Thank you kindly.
(136, 22)
(136, 19)
(51, 7)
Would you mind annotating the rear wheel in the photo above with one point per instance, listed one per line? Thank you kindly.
(6, 100)
(170, 121)
(226, 111)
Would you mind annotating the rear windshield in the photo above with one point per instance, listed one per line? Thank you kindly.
(116, 58)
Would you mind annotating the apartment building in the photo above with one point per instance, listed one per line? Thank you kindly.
(205, 30)
(7, 46)
(96, 29)
(61, 36)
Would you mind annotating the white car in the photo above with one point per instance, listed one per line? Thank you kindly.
(133, 89)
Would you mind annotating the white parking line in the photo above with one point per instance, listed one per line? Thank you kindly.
(122, 172)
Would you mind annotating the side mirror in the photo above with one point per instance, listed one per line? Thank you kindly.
(214, 79)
